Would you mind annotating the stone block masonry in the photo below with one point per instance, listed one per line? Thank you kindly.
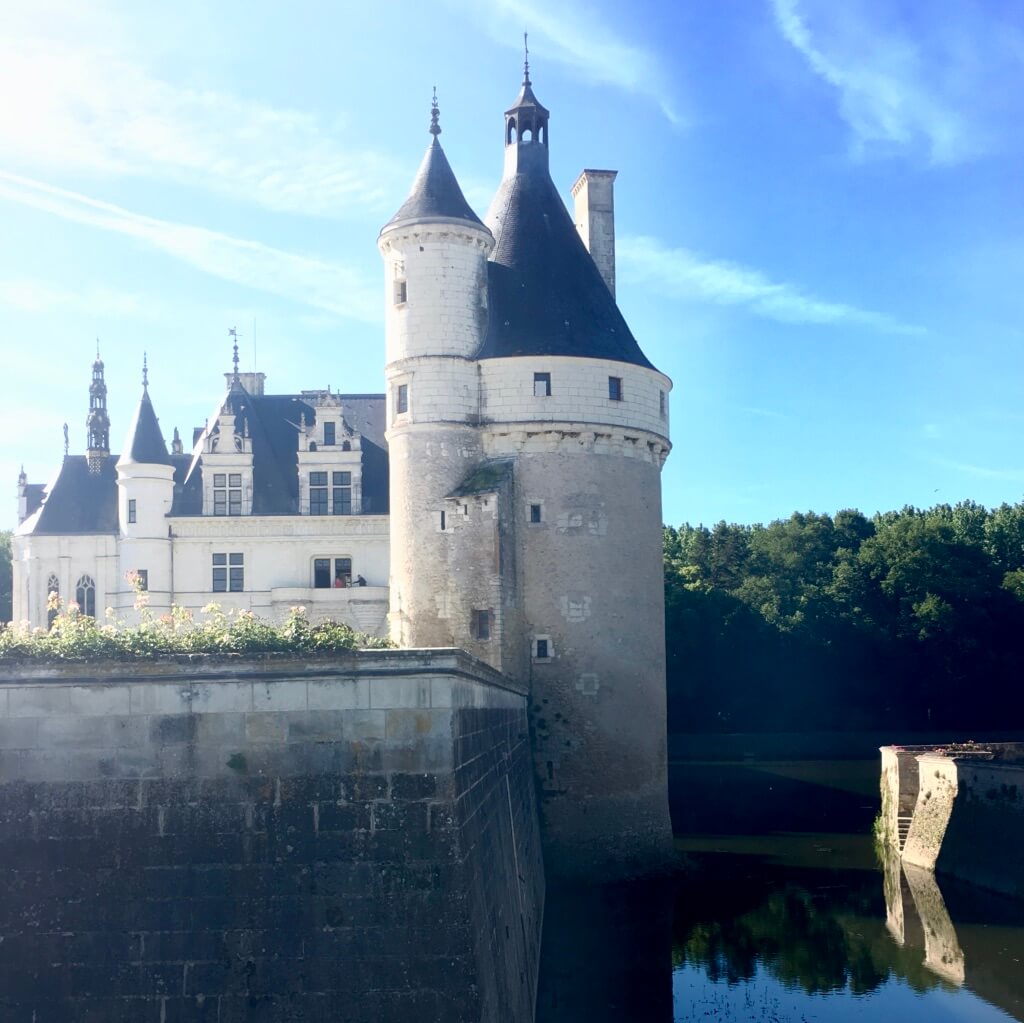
(268, 839)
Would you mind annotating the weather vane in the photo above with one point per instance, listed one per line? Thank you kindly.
(66, 441)
(233, 333)
(145, 372)
(526, 59)
(435, 115)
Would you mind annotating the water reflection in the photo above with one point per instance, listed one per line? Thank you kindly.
(779, 930)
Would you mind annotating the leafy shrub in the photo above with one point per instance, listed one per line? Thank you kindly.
(74, 636)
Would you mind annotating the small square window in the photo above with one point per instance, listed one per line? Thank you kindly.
(615, 388)
(535, 512)
(542, 385)
(329, 434)
(235, 479)
(131, 509)
(402, 402)
(219, 479)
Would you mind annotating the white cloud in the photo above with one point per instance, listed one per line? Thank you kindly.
(679, 273)
(32, 295)
(572, 33)
(340, 290)
(936, 84)
(82, 104)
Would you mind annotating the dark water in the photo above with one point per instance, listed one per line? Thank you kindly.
(791, 925)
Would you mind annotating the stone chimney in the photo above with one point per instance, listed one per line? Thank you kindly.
(595, 219)
(252, 382)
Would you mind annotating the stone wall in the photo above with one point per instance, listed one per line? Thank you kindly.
(968, 811)
(268, 839)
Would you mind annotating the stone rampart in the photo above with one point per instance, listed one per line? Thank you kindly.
(268, 839)
(967, 816)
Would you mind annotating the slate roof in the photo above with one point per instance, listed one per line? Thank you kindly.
(435, 193)
(272, 421)
(145, 443)
(545, 293)
(77, 501)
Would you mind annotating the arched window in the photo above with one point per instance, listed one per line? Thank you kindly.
(510, 131)
(52, 588)
(85, 595)
(527, 135)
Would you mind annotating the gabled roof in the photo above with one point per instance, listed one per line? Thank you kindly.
(77, 501)
(145, 443)
(435, 193)
(546, 295)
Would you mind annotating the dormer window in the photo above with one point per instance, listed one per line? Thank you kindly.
(329, 434)
(227, 493)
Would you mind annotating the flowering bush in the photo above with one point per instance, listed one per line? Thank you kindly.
(74, 636)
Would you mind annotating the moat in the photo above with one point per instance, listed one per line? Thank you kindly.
(785, 926)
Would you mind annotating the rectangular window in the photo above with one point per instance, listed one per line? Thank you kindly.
(228, 573)
(341, 493)
(322, 573)
(481, 624)
(318, 493)
(615, 388)
(131, 509)
(542, 385)
(326, 575)
(402, 402)
(661, 404)
(342, 572)
(220, 493)
(535, 512)
(542, 650)
(143, 577)
(401, 292)
(329, 434)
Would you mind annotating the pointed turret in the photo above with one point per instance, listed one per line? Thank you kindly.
(435, 193)
(144, 443)
(97, 422)
(547, 295)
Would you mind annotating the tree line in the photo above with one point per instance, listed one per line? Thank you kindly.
(912, 619)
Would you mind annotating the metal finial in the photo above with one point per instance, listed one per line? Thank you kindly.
(97, 349)
(233, 333)
(145, 373)
(67, 443)
(526, 60)
(435, 114)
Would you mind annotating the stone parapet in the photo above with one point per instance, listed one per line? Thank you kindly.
(211, 838)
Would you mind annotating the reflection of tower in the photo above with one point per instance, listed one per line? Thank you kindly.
(145, 483)
(97, 423)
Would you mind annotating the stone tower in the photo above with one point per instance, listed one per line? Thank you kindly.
(527, 432)
(145, 490)
(435, 253)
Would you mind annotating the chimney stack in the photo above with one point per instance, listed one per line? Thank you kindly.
(595, 219)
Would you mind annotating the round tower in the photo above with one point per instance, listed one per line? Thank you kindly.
(569, 397)
(145, 491)
(435, 253)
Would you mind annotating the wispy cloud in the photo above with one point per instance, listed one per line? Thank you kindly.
(679, 273)
(935, 84)
(574, 34)
(84, 105)
(32, 295)
(981, 471)
(336, 289)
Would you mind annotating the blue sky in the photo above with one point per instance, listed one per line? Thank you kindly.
(819, 215)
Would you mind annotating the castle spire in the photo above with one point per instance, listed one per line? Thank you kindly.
(235, 380)
(435, 115)
(97, 422)
(526, 59)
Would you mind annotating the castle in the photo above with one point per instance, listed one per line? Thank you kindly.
(503, 496)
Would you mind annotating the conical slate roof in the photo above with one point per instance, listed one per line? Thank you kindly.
(145, 443)
(546, 295)
(435, 193)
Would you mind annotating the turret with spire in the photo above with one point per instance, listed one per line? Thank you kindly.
(145, 485)
(97, 422)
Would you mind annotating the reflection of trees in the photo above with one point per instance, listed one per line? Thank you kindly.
(816, 939)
